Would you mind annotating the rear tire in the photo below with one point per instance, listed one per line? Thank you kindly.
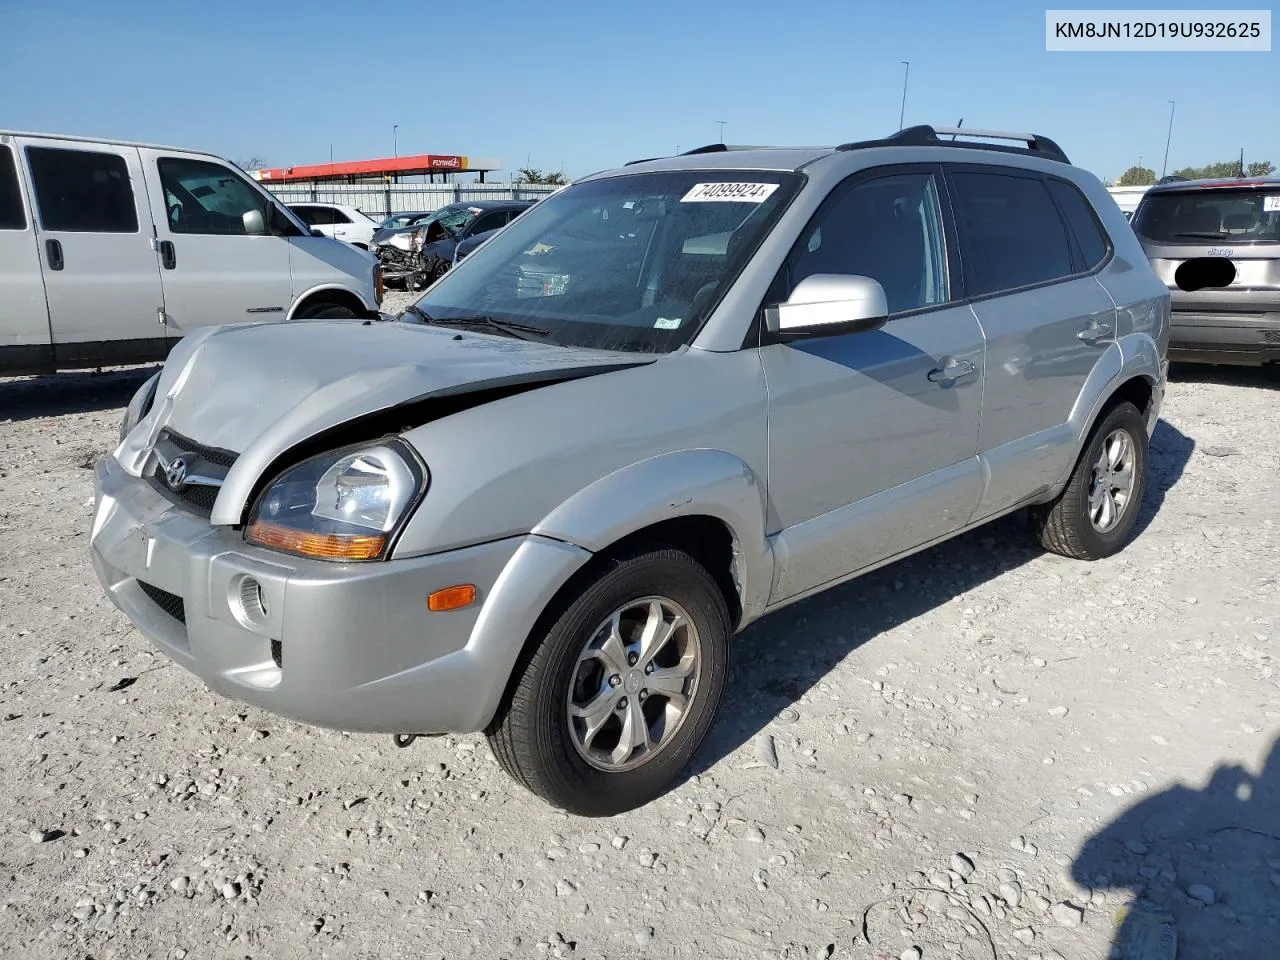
(1094, 516)
(598, 728)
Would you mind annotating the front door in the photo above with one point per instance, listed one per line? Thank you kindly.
(101, 274)
(215, 271)
(873, 436)
(1030, 244)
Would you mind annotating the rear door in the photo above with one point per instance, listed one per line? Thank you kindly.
(215, 271)
(1046, 319)
(25, 345)
(101, 273)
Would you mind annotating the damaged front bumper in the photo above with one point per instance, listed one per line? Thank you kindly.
(346, 646)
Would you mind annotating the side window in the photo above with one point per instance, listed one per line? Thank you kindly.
(1082, 222)
(490, 221)
(306, 214)
(203, 197)
(336, 215)
(888, 228)
(12, 216)
(79, 191)
(1010, 232)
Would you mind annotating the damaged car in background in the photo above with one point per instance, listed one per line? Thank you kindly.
(418, 257)
(662, 403)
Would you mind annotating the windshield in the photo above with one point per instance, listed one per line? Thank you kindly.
(631, 263)
(455, 217)
(397, 220)
(1237, 214)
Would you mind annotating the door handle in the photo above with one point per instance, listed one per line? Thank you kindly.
(54, 251)
(1094, 332)
(952, 371)
(168, 256)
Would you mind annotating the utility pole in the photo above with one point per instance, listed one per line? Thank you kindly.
(721, 122)
(905, 74)
(395, 143)
(1172, 107)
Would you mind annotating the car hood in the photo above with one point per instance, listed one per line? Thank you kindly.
(258, 390)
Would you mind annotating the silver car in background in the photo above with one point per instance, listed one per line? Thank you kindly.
(663, 403)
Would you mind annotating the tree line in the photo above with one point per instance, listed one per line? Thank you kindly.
(1137, 176)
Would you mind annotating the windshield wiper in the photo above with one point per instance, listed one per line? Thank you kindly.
(418, 312)
(521, 331)
(1203, 236)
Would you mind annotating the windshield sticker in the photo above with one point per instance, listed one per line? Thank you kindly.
(668, 323)
(729, 193)
(1271, 204)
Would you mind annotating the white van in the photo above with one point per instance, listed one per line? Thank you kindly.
(111, 252)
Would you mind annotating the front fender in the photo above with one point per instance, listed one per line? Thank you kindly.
(321, 288)
(687, 483)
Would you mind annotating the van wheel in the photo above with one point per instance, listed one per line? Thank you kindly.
(1095, 514)
(327, 311)
(621, 689)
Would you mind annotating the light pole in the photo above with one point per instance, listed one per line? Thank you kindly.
(1172, 107)
(395, 143)
(905, 74)
(721, 122)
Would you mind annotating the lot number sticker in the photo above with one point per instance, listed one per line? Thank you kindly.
(729, 193)
(1271, 203)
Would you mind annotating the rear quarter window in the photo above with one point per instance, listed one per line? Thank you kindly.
(12, 216)
(1082, 221)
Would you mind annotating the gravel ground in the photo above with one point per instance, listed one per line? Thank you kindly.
(983, 751)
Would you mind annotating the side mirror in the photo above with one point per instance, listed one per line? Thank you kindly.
(254, 224)
(827, 304)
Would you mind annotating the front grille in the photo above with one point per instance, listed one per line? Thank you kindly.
(170, 603)
(209, 462)
(1272, 336)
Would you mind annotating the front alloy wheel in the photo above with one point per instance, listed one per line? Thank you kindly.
(620, 687)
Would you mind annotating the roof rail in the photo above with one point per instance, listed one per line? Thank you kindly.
(709, 148)
(927, 136)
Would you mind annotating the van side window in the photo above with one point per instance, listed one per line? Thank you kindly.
(1010, 232)
(889, 229)
(79, 191)
(1091, 242)
(202, 197)
(12, 216)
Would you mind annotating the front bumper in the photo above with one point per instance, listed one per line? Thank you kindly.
(346, 646)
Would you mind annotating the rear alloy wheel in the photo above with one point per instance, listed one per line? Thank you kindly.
(621, 690)
(1095, 514)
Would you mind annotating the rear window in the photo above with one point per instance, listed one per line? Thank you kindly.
(11, 214)
(1235, 214)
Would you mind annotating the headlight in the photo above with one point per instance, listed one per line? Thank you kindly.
(343, 505)
(139, 406)
(415, 244)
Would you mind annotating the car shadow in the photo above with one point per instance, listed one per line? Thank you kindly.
(56, 394)
(1203, 867)
(782, 656)
(1227, 375)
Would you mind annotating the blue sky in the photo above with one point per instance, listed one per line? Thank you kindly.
(585, 85)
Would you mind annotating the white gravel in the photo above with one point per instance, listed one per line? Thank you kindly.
(917, 757)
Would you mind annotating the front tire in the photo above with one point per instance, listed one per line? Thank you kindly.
(1095, 514)
(328, 311)
(621, 688)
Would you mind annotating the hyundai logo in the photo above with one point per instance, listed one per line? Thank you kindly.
(175, 473)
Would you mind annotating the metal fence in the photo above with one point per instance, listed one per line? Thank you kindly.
(384, 200)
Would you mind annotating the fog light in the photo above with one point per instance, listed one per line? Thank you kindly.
(250, 602)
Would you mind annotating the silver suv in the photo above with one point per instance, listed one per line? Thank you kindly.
(666, 401)
(1216, 245)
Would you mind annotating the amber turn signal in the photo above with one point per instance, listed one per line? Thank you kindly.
(452, 598)
(323, 546)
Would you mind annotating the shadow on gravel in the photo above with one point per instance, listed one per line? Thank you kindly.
(1227, 375)
(33, 398)
(1203, 865)
(777, 659)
